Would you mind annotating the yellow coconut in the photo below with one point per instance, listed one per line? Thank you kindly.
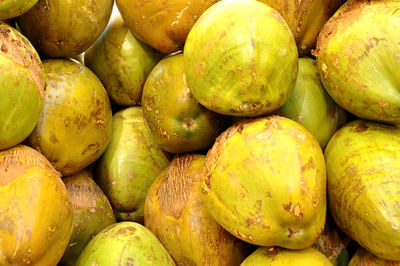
(265, 183)
(36, 215)
(75, 125)
(162, 24)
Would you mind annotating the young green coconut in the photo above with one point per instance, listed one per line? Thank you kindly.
(187, 230)
(177, 122)
(22, 82)
(311, 106)
(241, 59)
(13, 8)
(122, 63)
(125, 243)
(129, 166)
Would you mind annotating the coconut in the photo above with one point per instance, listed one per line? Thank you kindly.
(36, 211)
(311, 106)
(241, 59)
(125, 243)
(60, 28)
(122, 62)
(163, 25)
(265, 183)
(13, 8)
(22, 82)
(130, 164)
(92, 213)
(305, 18)
(364, 258)
(188, 232)
(74, 127)
(177, 122)
(362, 162)
(363, 76)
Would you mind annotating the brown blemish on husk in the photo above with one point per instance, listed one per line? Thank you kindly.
(4, 48)
(372, 43)
(90, 147)
(292, 232)
(309, 165)
(17, 48)
(349, 14)
(331, 112)
(294, 210)
(177, 186)
(299, 17)
(54, 139)
(242, 235)
(125, 231)
(361, 128)
(271, 252)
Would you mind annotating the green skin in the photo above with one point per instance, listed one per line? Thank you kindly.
(335, 245)
(187, 230)
(130, 164)
(75, 125)
(311, 106)
(241, 59)
(59, 28)
(176, 120)
(252, 193)
(122, 63)
(92, 213)
(308, 256)
(363, 257)
(362, 161)
(22, 82)
(13, 8)
(125, 243)
(363, 75)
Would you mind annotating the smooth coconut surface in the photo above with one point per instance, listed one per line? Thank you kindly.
(362, 163)
(177, 122)
(241, 59)
(36, 211)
